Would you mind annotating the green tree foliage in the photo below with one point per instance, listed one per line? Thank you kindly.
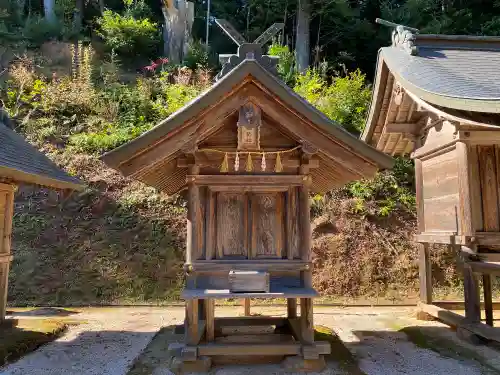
(345, 100)
(388, 190)
(127, 35)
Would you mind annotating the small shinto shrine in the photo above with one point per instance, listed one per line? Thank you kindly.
(249, 151)
(21, 163)
(437, 99)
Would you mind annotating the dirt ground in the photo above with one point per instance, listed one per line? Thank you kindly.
(373, 341)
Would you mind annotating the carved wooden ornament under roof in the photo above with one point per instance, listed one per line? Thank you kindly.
(249, 123)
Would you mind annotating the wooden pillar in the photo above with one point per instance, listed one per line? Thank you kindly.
(6, 214)
(305, 215)
(210, 319)
(425, 274)
(306, 320)
(246, 306)
(192, 322)
(488, 299)
(464, 191)
(471, 295)
(192, 214)
(424, 267)
(305, 221)
(291, 307)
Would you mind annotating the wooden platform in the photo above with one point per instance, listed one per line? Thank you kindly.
(282, 292)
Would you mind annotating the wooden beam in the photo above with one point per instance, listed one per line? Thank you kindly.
(459, 305)
(264, 265)
(287, 163)
(486, 137)
(471, 294)
(248, 321)
(411, 128)
(488, 299)
(487, 238)
(258, 349)
(485, 267)
(446, 316)
(425, 272)
(247, 180)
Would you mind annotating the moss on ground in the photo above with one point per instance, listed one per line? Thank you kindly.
(340, 353)
(26, 336)
(156, 353)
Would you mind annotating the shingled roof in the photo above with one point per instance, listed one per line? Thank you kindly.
(452, 71)
(20, 162)
(247, 68)
(151, 157)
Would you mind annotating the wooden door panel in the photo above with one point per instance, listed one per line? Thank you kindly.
(231, 225)
(267, 225)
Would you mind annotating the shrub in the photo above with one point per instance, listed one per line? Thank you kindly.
(286, 64)
(127, 35)
(197, 56)
(345, 100)
(387, 190)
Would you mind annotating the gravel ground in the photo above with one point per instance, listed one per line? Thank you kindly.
(106, 343)
(110, 339)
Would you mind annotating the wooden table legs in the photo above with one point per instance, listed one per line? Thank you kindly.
(291, 307)
(210, 319)
(306, 320)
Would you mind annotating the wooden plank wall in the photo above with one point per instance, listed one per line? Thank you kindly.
(488, 158)
(440, 192)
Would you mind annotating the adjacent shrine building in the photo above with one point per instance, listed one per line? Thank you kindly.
(249, 152)
(436, 98)
(21, 163)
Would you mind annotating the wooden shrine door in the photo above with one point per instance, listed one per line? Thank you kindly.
(250, 225)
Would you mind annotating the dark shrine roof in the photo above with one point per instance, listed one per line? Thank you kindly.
(20, 162)
(451, 71)
(249, 67)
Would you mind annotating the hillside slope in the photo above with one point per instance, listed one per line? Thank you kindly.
(120, 242)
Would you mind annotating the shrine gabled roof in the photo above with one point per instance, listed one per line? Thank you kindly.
(248, 69)
(20, 162)
(452, 76)
(459, 72)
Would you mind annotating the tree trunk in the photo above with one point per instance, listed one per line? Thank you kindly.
(49, 10)
(303, 36)
(78, 16)
(101, 6)
(177, 29)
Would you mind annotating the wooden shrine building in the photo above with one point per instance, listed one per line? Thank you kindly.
(21, 163)
(249, 151)
(437, 99)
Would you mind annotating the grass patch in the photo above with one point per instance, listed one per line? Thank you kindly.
(156, 353)
(339, 353)
(28, 335)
